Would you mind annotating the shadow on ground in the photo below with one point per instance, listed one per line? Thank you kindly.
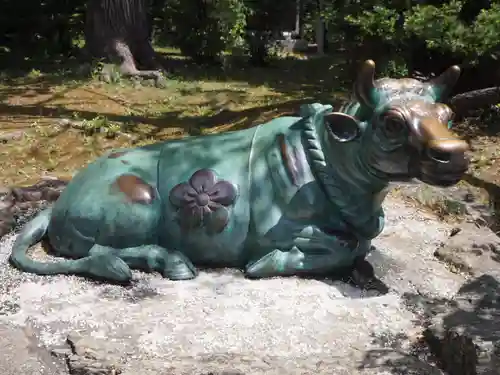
(461, 335)
(312, 75)
(192, 124)
(302, 81)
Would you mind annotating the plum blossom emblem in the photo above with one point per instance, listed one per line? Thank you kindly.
(203, 201)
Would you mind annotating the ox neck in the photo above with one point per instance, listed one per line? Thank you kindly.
(352, 173)
(347, 181)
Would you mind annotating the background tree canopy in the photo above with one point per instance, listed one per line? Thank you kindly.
(403, 36)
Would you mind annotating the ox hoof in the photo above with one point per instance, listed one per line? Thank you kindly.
(276, 263)
(179, 267)
(110, 268)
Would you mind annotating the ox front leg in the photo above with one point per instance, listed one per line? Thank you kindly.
(310, 252)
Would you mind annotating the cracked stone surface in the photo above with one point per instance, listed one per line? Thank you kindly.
(465, 334)
(221, 323)
(20, 354)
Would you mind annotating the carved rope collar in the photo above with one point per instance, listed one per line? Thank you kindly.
(352, 206)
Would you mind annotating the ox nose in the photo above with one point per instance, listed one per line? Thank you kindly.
(447, 161)
(439, 140)
(444, 151)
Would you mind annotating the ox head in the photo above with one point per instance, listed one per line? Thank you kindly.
(404, 128)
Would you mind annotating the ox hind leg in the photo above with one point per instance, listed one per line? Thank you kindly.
(99, 264)
(150, 258)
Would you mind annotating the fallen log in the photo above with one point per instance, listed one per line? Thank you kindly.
(469, 101)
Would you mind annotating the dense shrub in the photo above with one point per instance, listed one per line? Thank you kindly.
(204, 30)
(397, 30)
(402, 35)
(441, 28)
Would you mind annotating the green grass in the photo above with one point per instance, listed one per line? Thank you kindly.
(69, 117)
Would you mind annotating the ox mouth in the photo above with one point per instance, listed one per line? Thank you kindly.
(441, 180)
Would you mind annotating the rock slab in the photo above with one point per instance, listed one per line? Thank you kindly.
(19, 354)
(465, 334)
(221, 323)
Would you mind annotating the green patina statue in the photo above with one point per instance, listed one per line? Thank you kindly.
(297, 195)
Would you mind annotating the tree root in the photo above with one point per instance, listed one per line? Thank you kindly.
(132, 72)
(17, 201)
(127, 66)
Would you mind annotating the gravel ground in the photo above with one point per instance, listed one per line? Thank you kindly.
(223, 322)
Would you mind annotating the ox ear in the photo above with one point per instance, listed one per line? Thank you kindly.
(343, 128)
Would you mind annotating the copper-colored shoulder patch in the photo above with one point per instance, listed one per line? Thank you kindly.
(288, 159)
(135, 189)
(116, 154)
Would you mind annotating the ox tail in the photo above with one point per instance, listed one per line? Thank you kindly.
(32, 233)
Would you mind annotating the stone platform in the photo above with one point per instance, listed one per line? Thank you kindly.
(222, 323)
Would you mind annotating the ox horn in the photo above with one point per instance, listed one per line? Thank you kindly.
(443, 84)
(364, 87)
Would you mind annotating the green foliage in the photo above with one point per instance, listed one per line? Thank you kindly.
(205, 30)
(264, 18)
(378, 22)
(269, 15)
(393, 32)
(41, 28)
(438, 26)
(442, 28)
(396, 68)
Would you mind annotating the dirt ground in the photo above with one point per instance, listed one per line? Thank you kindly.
(58, 128)
(53, 123)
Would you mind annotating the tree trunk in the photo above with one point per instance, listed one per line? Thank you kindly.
(299, 26)
(320, 30)
(119, 31)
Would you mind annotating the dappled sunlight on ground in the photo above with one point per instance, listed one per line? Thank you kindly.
(38, 107)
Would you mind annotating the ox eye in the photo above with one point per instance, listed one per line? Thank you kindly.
(393, 126)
